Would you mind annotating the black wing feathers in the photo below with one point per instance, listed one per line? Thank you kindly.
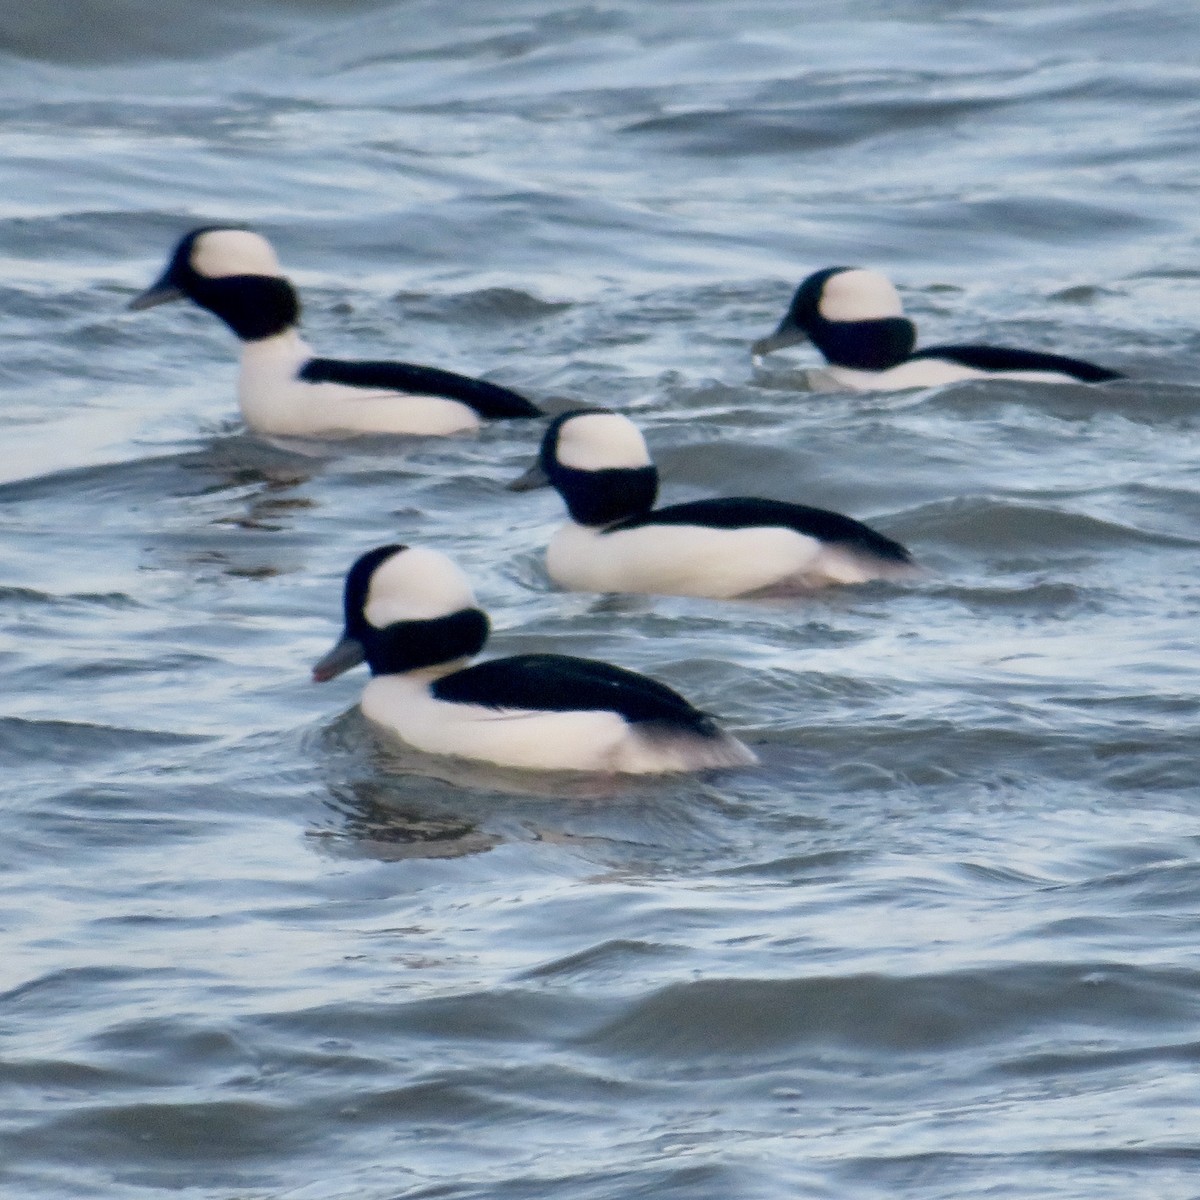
(562, 683)
(737, 512)
(998, 358)
(489, 400)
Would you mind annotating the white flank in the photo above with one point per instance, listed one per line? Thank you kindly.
(274, 400)
(920, 373)
(694, 560)
(594, 741)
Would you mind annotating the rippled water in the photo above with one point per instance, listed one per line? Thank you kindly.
(941, 944)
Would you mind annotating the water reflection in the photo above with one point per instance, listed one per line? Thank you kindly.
(371, 824)
(390, 801)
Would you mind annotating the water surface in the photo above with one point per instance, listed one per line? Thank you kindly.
(941, 944)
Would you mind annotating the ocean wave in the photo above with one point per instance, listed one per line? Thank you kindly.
(76, 742)
(147, 30)
(992, 524)
(758, 1019)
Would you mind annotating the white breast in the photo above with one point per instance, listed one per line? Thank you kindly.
(543, 741)
(274, 400)
(693, 560)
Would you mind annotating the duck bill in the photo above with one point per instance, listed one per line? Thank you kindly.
(535, 477)
(784, 336)
(347, 653)
(162, 291)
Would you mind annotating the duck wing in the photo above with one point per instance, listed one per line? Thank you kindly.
(742, 512)
(999, 358)
(563, 683)
(489, 400)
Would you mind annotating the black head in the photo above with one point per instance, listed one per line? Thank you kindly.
(853, 316)
(598, 463)
(235, 275)
(404, 609)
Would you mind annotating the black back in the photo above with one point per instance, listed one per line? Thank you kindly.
(740, 512)
(871, 345)
(561, 683)
(998, 358)
(406, 645)
(597, 497)
(489, 400)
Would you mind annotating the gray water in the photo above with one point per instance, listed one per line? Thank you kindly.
(940, 944)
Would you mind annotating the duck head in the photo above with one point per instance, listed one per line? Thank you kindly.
(598, 463)
(406, 609)
(235, 274)
(853, 316)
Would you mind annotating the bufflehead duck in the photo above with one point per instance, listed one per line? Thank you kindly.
(855, 319)
(618, 541)
(282, 387)
(410, 614)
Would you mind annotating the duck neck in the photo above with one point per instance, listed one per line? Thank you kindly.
(872, 345)
(599, 498)
(424, 649)
(255, 307)
(429, 675)
(287, 348)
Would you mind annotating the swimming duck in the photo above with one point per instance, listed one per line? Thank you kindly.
(282, 387)
(411, 615)
(617, 541)
(855, 318)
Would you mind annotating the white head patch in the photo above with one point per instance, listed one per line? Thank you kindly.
(859, 296)
(416, 585)
(222, 252)
(600, 441)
